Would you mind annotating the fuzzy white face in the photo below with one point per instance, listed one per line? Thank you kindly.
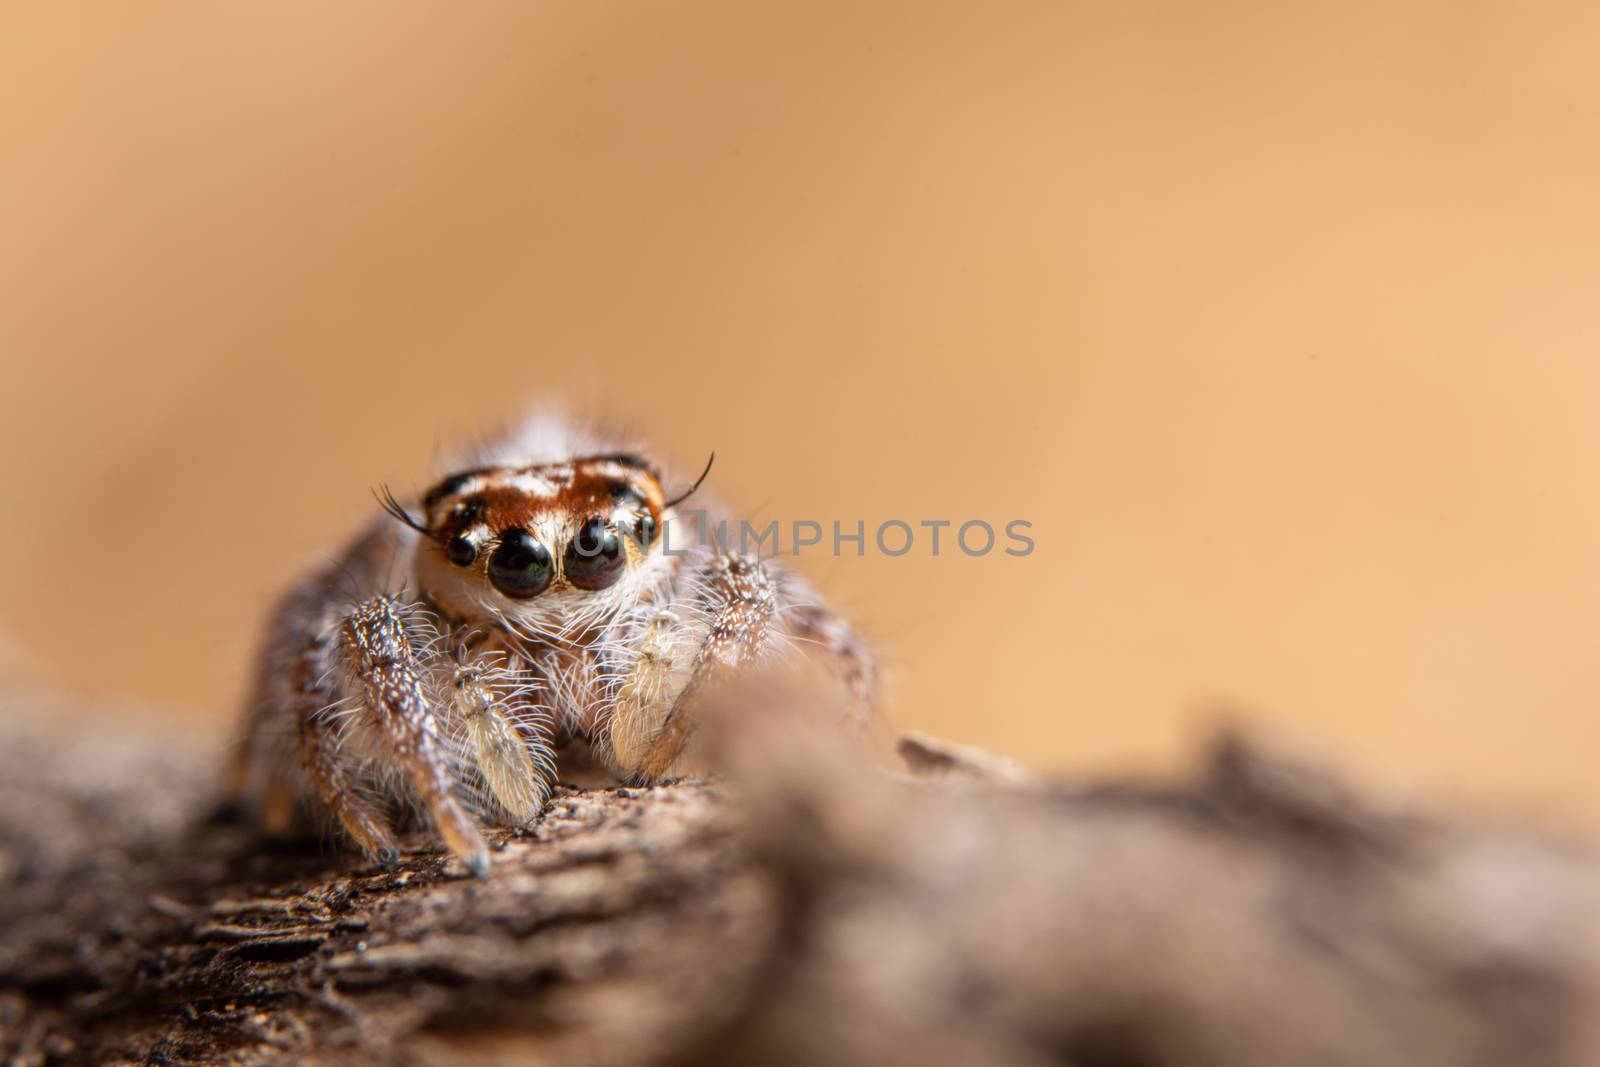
(548, 549)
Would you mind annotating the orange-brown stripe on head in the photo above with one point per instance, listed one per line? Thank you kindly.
(609, 487)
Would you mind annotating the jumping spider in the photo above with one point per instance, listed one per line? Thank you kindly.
(446, 656)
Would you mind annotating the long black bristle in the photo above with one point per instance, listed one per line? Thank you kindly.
(686, 494)
(389, 504)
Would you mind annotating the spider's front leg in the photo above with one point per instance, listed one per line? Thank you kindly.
(650, 725)
(830, 643)
(363, 820)
(380, 654)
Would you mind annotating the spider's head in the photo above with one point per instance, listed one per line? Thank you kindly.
(538, 544)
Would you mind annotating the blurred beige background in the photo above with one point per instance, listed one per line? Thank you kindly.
(1278, 321)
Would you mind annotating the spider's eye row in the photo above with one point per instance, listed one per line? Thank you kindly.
(520, 567)
(461, 550)
(594, 558)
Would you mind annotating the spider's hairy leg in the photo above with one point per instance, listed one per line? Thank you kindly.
(380, 653)
(508, 737)
(830, 641)
(740, 599)
(242, 761)
(298, 693)
(361, 818)
(645, 696)
(287, 744)
(260, 771)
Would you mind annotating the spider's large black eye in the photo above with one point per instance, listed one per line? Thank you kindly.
(594, 558)
(520, 567)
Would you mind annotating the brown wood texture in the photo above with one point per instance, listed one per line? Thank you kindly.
(808, 907)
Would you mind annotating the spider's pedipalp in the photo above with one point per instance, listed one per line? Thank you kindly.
(645, 697)
(510, 750)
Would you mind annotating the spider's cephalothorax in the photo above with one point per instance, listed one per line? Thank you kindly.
(525, 601)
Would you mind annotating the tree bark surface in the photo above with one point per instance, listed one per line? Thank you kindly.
(807, 907)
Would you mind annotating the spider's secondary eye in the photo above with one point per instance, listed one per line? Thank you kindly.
(594, 558)
(461, 550)
(520, 567)
(644, 530)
